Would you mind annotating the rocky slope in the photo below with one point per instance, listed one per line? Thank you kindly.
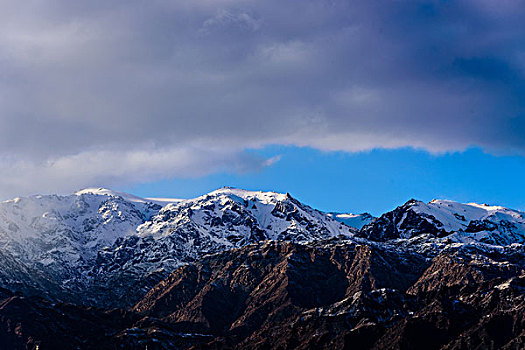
(28, 322)
(48, 243)
(342, 294)
(322, 295)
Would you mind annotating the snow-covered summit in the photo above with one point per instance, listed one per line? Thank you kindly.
(53, 240)
(229, 211)
(262, 196)
(87, 217)
(100, 191)
(470, 222)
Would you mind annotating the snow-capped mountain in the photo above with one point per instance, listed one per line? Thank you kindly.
(456, 221)
(52, 240)
(98, 237)
(223, 219)
(236, 217)
(103, 247)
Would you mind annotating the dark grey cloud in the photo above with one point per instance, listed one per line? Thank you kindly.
(182, 88)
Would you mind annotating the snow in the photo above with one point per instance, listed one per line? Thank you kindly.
(110, 193)
(353, 220)
(232, 193)
(57, 235)
(456, 217)
(444, 211)
(242, 204)
(96, 233)
(164, 201)
(505, 285)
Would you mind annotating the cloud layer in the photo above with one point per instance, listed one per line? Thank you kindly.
(120, 92)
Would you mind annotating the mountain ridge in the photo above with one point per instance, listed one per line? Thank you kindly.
(235, 268)
(79, 247)
(86, 239)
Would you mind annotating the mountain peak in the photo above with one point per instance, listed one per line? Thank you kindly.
(412, 202)
(461, 222)
(101, 191)
(247, 194)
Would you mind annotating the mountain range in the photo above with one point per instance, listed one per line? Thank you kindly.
(247, 269)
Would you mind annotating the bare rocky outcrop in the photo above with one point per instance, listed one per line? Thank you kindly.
(285, 295)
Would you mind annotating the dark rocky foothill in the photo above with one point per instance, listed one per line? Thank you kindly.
(283, 295)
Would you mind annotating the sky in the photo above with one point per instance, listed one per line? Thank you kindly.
(376, 181)
(348, 105)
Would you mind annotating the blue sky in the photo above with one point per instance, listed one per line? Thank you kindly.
(374, 181)
(181, 97)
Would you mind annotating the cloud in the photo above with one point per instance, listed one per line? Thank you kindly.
(225, 18)
(165, 88)
(118, 168)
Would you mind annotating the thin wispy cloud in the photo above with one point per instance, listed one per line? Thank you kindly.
(160, 89)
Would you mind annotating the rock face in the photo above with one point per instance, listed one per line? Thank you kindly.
(339, 295)
(35, 323)
(257, 280)
(262, 283)
(322, 295)
(183, 232)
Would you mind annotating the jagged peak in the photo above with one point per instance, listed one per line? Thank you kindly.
(412, 202)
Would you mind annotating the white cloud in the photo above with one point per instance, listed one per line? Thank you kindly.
(111, 168)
